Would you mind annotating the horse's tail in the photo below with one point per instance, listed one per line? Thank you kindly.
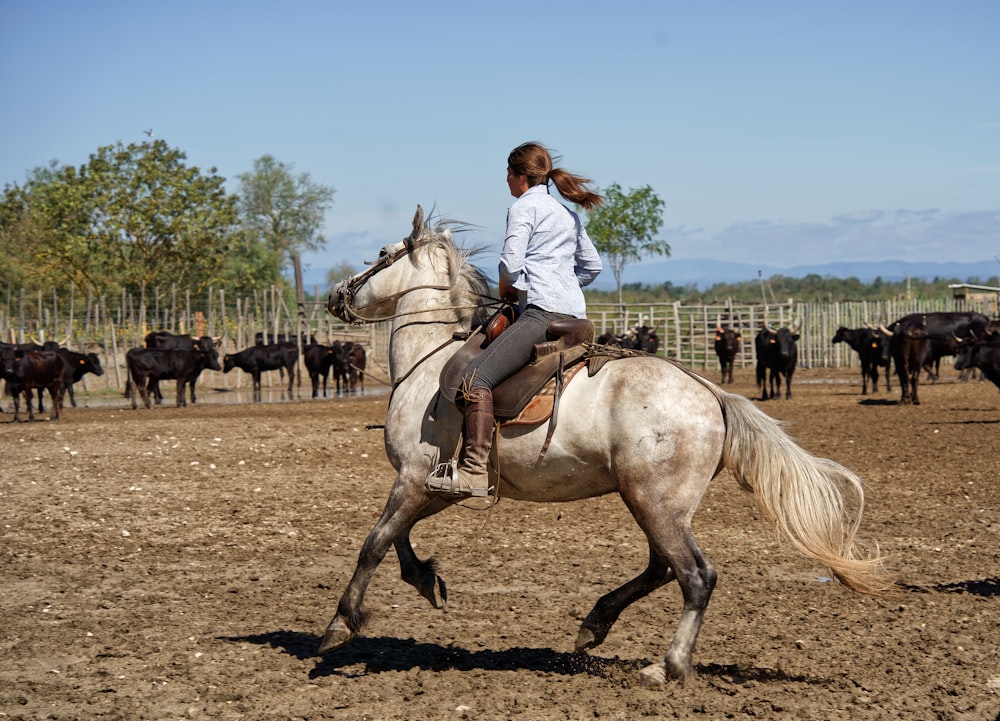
(802, 494)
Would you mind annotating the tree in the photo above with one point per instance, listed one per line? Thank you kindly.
(339, 272)
(158, 220)
(283, 213)
(624, 226)
(44, 232)
(133, 217)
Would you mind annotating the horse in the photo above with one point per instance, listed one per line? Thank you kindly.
(643, 426)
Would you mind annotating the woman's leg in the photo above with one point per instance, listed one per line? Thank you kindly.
(506, 355)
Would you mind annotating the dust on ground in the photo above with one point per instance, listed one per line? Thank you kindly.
(183, 563)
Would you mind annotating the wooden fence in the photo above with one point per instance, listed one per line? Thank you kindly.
(686, 332)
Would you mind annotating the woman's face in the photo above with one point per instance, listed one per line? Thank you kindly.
(517, 183)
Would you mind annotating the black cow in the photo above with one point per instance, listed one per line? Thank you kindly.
(777, 352)
(319, 359)
(982, 354)
(165, 340)
(25, 371)
(146, 366)
(22, 348)
(272, 338)
(77, 365)
(357, 360)
(641, 338)
(645, 339)
(727, 347)
(873, 348)
(611, 339)
(258, 359)
(919, 338)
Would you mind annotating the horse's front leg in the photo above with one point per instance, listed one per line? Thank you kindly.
(422, 575)
(598, 623)
(405, 506)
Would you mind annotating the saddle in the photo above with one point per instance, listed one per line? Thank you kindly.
(518, 399)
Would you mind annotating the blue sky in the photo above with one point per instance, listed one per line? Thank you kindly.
(780, 133)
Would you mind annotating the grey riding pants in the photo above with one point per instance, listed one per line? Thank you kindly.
(511, 350)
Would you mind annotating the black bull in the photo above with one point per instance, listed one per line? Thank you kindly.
(873, 348)
(165, 340)
(920, 338)
(777, 354)
(981, 354)
(146, 366)
(25, 371)
(258, 359)
(727, 347)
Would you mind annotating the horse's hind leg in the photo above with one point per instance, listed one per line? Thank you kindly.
(404, 508)
(598, 623)
(696, 578)
(666, 522)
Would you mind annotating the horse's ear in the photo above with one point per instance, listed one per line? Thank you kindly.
(418, 226)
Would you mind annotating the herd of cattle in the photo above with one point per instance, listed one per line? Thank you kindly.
(915, 343)
(31, 367)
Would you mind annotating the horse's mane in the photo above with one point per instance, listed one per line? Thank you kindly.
(470, 286)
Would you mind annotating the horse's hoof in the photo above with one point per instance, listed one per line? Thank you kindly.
(590, 635)
(337, 634)
(435, 591)
(654, 675)
(585, 640)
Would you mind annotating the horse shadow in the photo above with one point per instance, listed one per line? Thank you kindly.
(380, 654)
(985, 587)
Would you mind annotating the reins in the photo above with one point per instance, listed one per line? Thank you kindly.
(345, 297)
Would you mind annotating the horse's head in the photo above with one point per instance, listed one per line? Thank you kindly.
(432, 263)
(357, 298)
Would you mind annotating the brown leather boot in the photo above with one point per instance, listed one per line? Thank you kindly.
(471, 476)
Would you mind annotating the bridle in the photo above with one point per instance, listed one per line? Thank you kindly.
(343, 305)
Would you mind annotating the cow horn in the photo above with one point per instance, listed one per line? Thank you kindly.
(35, 340)
(797, 325)
(884, 330)
(718, 328)
(769, 329)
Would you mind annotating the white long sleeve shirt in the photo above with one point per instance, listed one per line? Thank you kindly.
(547, 255)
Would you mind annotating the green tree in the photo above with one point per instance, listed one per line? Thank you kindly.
(282, 214)
(624, 226)
(44, 231)
(339, 272)
(157, 220)
(133, 217)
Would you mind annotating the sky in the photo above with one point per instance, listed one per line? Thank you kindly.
(779, 133)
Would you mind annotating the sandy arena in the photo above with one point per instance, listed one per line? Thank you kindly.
(183, 563)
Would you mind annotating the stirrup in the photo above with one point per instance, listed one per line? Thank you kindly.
(445, 479)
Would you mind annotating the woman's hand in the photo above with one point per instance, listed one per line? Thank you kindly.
(508, 293)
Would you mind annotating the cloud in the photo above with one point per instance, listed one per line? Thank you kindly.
(860, 216)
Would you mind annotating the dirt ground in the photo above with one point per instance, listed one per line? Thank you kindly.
(183, 563)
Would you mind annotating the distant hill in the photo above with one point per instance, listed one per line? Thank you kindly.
(705, 273)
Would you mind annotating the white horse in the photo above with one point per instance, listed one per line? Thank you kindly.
(644, 427)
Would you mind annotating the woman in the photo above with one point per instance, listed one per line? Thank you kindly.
(547, 257)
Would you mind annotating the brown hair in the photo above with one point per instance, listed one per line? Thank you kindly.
(534, 161)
